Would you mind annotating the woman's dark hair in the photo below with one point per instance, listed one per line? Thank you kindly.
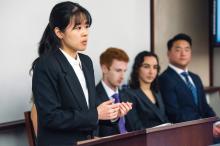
(134, 82)
(61, 15)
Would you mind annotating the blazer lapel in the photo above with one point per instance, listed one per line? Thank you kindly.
(159, 101)
(181, 85)
(177, 78)
(153, 107)
(89, 81)
(72, 79)
(101, 93)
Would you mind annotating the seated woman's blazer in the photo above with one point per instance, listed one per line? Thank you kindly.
(144, 113)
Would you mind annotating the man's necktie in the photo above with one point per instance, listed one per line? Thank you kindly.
(121, 123)
(190, 86)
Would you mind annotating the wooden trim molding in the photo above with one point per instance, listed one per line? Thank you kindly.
(211, 40)
(212, 89)
(11, 125)
(152, 29)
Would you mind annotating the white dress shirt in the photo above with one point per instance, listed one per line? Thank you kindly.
(108, 90)
(76, 65)
(179, 71)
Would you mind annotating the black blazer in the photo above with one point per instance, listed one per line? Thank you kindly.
(63, 115)
(178, 98)
(106, 127)
(144, 113)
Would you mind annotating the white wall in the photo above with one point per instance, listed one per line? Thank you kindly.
(118, 23)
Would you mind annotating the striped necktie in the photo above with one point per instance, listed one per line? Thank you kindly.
(190, 86)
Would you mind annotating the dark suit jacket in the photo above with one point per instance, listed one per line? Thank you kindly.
(106, 127)
(178, 98)
(63, 115)
(144, 113)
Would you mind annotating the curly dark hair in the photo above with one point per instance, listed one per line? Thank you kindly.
(134, 79)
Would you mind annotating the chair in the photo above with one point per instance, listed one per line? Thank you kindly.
(29, 129)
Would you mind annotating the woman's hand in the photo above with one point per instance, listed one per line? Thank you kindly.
(124, 108)
(108, 110)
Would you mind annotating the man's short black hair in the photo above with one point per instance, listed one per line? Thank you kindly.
(180, 36)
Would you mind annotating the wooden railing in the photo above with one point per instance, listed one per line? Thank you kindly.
(210, 90)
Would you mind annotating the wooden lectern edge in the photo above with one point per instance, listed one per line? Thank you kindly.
(143, 132)
(182, 124)
(110, 138)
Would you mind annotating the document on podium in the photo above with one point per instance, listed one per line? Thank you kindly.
(95, 139)
(89, 140)
(162, 125)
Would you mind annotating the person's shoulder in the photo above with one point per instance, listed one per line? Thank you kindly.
(84, 57)
(99, 87)
(128, 91)
(166, 74)
(168, 79)
(129, 94)
(47, 62)
(194, 75)
(86, 60)
(46, 58)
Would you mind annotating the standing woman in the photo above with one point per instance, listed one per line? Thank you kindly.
(148, 108)
(63, 80)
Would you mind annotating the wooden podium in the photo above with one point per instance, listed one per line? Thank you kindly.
(191, 133)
